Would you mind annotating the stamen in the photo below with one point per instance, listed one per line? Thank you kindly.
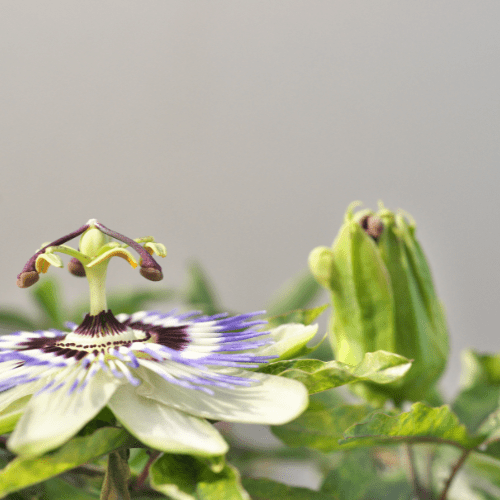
(29, 276)
(150, 269)
(76, 268)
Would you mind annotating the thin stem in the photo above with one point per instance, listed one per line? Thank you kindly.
(454, 471)
(141, 478)
(412, 469)
(430, 463)
(115, 485)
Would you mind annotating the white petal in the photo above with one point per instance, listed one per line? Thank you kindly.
(164, 428)
(272, 400)
(18, 392)
(51, 418)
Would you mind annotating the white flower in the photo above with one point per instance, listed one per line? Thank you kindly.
(162, 375)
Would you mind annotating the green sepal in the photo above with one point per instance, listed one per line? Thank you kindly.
(419, 320)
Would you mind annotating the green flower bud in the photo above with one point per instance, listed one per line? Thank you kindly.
(383, 298)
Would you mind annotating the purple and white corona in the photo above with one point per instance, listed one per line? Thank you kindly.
(162, 375)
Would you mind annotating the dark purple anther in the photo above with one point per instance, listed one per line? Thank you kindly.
(76, 268)
(150, 269)
(29, 276)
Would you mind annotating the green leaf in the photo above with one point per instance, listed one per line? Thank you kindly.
(265, 489)
(22, 472)
(303, 316)
(380, 367)
(480, 388)
(359, 476)
(184, 477)
(46, 295)
(297, 293)
(482, 475)
(57, 489)
(200, 293)
(12, 320)
(420, 424)
(321, 427)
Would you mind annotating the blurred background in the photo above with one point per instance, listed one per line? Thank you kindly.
(238, 132)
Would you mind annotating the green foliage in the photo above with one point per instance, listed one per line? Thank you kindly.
(11, 320)
(47, 295)
(362, 475)
(183, 477)
(321, 427)
(302, 316)
(297, 293)
(200, 293)
(57, 489)
(265, 489)
(23, 472)
(380, 367)
(420, 424)
(480, 388)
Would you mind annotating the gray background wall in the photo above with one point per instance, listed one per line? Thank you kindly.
(237, 132)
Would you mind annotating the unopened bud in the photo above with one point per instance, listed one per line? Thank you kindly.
(372, 225)
(75, 267)
(26, 279)
(383, 299)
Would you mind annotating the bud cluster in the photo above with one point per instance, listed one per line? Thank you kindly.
(383, 298)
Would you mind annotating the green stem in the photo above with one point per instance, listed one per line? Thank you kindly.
(412, 469)
(115, 485)
(141, 478)
(454, 471)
